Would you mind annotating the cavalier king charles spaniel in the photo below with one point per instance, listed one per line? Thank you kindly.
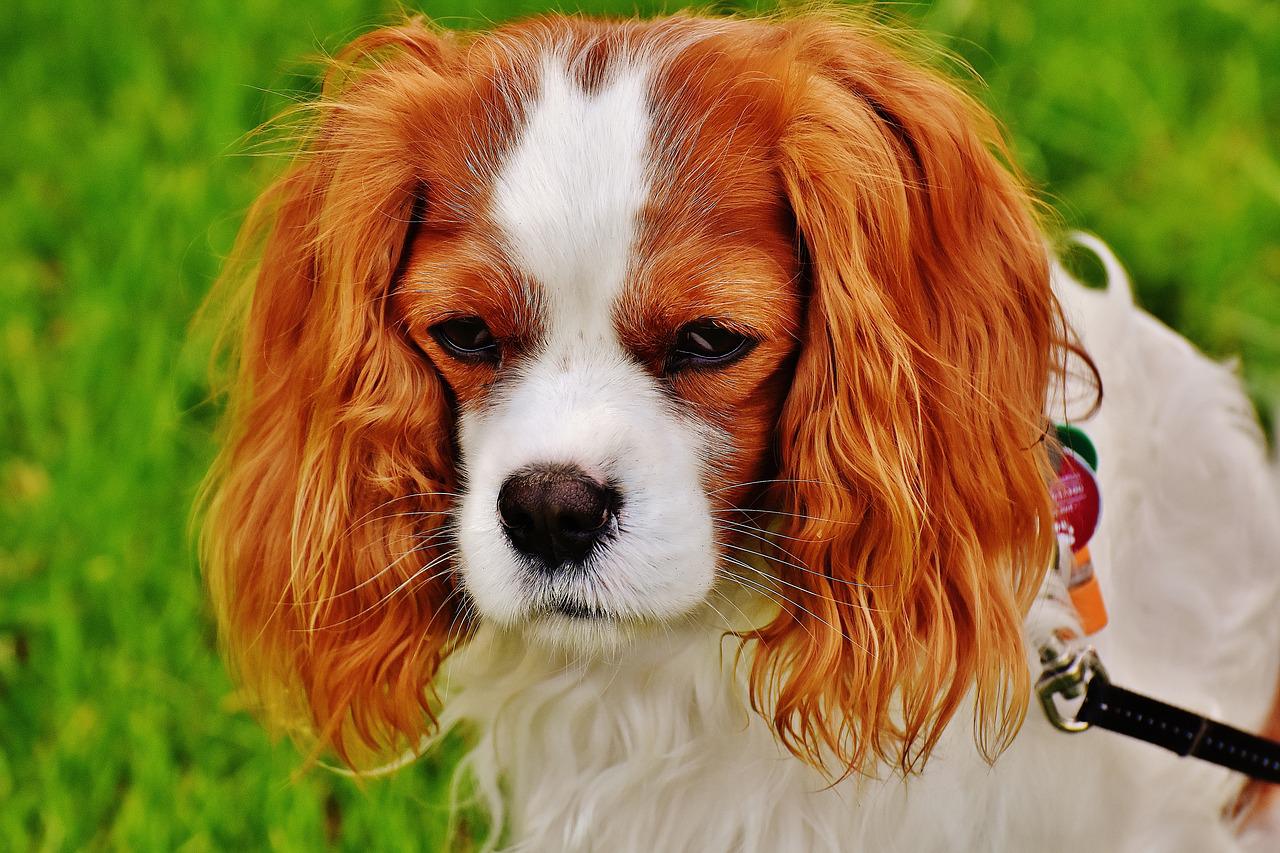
(665, 403)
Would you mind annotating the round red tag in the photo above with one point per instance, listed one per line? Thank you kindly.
(1077, 500)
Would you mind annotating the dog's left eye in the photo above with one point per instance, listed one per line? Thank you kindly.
(466, 338)
(707, 343)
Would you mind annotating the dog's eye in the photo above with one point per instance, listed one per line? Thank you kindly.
(466, 338)
(705, 343)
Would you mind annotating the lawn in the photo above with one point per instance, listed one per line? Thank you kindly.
(124, 176)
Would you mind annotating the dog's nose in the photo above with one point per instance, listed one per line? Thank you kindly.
(555, 515)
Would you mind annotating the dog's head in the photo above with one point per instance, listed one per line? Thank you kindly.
(565, 326)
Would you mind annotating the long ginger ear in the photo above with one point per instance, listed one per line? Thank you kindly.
(912, 470)
(322, 543)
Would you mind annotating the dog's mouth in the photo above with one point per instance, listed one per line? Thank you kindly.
(576, 610)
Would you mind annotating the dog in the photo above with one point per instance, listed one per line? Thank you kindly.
(667, 404)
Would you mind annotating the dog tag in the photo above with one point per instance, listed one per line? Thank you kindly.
(1077, 507)
(1086, 594)
(1077, 501)
(1074, 438)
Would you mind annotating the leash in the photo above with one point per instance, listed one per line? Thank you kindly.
(1076, 673)
(1074, 688)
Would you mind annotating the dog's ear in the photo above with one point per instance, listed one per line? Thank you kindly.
(322, 542)
(912, 476)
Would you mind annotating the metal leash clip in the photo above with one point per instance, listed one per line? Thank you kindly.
(1068, 669)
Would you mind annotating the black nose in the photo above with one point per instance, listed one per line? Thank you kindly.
(555, 515)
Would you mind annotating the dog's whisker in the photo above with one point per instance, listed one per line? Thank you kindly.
(806, 569)
(458, 623)
(734, 530)
(416, 549)
(747, 622)
(813, 593)
(457, 590)
(793, 563)
(784, 597)
(428, 513)
(396, 499)
(741, 525)
(424, 537)
(769, 482)
(797, 566)
(777, 597)
(409, 580)
(453, 623)
(782, 514)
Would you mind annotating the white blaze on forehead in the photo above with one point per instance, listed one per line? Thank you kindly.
(568, 197)
(567, 201)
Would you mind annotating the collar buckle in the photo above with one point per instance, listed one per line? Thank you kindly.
(1068, 669)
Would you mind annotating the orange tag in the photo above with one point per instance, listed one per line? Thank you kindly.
(1086, 594)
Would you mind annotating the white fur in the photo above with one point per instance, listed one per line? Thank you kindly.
(658, 751)
(567, 202)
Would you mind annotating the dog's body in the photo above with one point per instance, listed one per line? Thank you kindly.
(577, 345)
(660, 750)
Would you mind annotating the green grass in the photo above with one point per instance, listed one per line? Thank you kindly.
(1151, 124)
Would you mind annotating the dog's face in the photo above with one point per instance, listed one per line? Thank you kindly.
(562, 326)
(617, 341)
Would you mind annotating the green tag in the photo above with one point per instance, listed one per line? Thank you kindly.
(1075, 439)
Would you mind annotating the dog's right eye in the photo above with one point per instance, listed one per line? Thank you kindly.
(467, 339)
(706, 343)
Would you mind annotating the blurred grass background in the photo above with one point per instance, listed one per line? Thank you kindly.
(1154, 125)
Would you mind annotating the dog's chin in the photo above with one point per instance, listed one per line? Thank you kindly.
(582, 632)
(579, 630)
